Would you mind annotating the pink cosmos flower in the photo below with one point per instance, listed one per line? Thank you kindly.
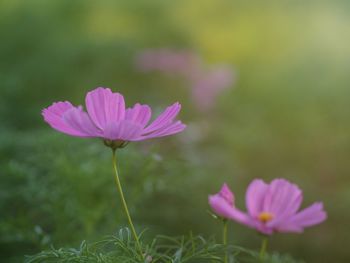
(271, 207)
(107, 118)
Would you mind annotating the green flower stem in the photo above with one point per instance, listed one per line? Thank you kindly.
(224, 239)
(263, 249)
(120, 189)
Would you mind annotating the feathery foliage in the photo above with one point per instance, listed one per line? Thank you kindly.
(162, 249)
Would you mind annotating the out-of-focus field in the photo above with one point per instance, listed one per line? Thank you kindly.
(287, 115)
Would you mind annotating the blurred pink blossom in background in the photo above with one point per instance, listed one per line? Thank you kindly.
(178, 63)
(207, 86)
(206, 82)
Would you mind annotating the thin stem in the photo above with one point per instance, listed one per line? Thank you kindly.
(120, 190)
(224, 239)
(192, 242)
(263, 249)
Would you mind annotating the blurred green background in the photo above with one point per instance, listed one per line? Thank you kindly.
(287, 115)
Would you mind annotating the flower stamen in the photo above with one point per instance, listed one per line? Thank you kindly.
(265, 217)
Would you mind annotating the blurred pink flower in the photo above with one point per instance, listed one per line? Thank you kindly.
(205, 83)
(271, 207)
(167, 61)
(108, 118)
(207, 86)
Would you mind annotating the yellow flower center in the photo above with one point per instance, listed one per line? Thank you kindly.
(265, 217)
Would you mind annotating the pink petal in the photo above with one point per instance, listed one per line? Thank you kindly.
(255, 197)
(282, 199)
(53, 115)
(165, 131)
(262, 228)
(312, 215)
(309, 216)
(220, 206)
(80, 121)
(226, 193)
(140, 114)
(289, 228)
(164, 119)
(104, 106)
(124, 130)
